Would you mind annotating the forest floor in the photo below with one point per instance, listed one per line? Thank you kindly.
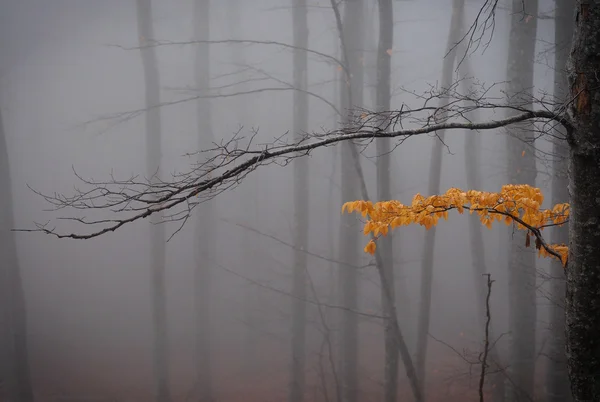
(449, 379)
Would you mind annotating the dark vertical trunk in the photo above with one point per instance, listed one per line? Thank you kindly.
(383, 96)
(521, 170)
(557, 381)
(583, 272)
(14, 358)
(301, 197)
(351, 96)
(435, 173)
(157, 235)
(205, 240)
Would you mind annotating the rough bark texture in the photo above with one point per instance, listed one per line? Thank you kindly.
(351, 95)
(206, 214)
(301, 197)
(521, 170)
(388, 299)
(583, 272)
(157, 234)
(557, 379)
(14, 355)
(435, 173)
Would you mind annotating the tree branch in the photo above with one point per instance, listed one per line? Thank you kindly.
(228, 164)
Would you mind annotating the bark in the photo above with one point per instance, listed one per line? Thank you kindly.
(206, 214)
(351, 96)
(14, 358)
(521, 170)
(583, 272)
(557, 381)
(157, 234)
(383, 97)
(301, 197)
(435, 172)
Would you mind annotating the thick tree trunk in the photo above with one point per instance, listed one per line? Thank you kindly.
(14, 357)
(435, 173)
(583, 271)
(383, 97)
(351, 95)
(301, 197)
(557, 381)
(521, 170)
(206, 214)
(157, 234)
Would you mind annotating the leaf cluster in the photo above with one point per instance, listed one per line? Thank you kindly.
(516, 204)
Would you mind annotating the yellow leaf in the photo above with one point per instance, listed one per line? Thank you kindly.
(514, 203)
(370, 247)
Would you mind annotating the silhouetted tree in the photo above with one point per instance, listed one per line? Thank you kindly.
(14, 352)
(206, 217)
(435, 174)
(301, 198)
(351, 38)
(157, 231)
(557, 379)
(521, 170)
(384, 182)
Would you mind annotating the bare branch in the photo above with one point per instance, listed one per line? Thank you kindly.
(229, 162)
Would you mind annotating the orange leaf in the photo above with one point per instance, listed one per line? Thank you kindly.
(389, 51)
(370, 247)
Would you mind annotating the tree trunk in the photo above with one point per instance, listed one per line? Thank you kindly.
(351, 96)
(301, 197)
(206, 214)
(14, 358)
(435, 173)
(383, 97)
(521, 170)
(252, 293)
(473, 149)
(157, 234)
(557, 381)
(583, 271)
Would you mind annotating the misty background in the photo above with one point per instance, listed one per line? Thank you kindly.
(71, 68)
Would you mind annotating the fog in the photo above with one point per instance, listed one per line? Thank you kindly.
(72, 102)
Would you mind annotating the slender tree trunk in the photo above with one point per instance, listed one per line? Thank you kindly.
(14, 358)
(583, 271)
(473, 149)
(206, 214)
(435, 173)
(301, 197)
(157, 234)
(252, 293)
(557, 381)
(521, 170)
(351, 96)
(383, 97)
